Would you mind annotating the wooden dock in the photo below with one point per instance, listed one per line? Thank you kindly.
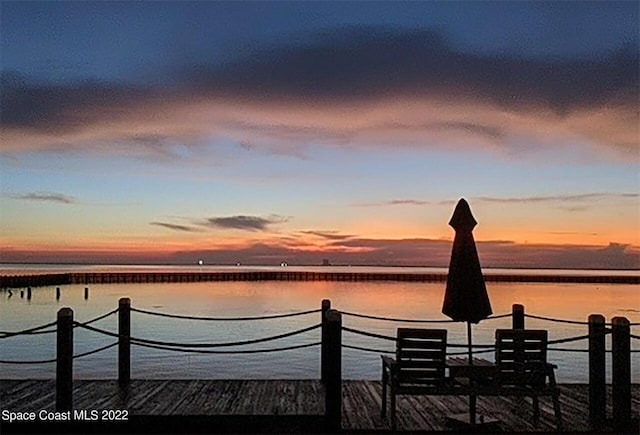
(39, 280)
(273, 406)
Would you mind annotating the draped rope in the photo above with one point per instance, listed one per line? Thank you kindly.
(202, 345)
(35, 329)
(218, 352)
(219, 319)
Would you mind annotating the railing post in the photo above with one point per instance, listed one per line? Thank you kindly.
(324, 361)
(124, 342)
(517, 316)
(333, 384)
(64, 360)
(621, 373)
(597, 380)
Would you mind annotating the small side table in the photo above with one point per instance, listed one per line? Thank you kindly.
(476, 372)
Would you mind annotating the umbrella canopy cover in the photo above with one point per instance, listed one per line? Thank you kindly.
(465, 299)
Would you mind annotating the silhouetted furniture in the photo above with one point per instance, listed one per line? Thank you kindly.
(477, 373)
(419, 367)
(523, 370)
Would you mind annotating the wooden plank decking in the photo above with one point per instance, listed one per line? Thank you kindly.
(280, 406)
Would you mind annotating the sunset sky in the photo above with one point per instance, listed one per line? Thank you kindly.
(261, 132)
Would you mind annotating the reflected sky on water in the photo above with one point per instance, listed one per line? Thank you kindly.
(228, 299)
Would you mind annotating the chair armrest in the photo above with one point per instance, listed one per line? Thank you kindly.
(387, 361)
(389, 370)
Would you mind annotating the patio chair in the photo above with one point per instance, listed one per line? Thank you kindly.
(523, 370)
(418, 368)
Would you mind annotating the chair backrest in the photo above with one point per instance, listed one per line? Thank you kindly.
(421, 355)
(521, 355)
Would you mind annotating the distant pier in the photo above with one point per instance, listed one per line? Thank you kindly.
(39, 280)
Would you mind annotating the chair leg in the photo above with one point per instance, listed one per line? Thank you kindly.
(385, 377)
(558, 413)
(393, 411)
(536, 408)
(556, 400)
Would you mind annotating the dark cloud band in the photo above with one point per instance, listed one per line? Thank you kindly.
(375, 63)
(46, 197)
(176, 227)
(247, 223)
(347, 66)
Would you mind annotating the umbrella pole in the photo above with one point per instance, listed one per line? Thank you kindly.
(472, 398)
(470, 343)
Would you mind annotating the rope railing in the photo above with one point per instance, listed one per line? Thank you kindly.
(222, 319)
(30, 331)
(41, 329)
(551, 319)
(390, 352)
(49, 361)
(390, 338)
(395, 319)
(30, 362)
(435, 321)
(367, 349)
(568, 321)
(91, 352)
(135, 340)
(478, 348)
(369, 334)
(568, 339)
(222, 352)
(104, 316)
(499, 316)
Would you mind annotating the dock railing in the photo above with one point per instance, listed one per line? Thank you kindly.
(331, 345)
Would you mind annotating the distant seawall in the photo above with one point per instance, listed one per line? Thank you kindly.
(39, 280)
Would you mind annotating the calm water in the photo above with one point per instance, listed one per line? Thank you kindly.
(391, 299)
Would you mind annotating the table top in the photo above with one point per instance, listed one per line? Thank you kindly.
(464, 362)
(480, 369)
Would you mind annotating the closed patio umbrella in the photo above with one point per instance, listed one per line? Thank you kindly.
(465, 299)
